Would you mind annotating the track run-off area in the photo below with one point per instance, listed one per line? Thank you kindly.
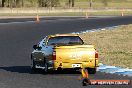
(17, 36)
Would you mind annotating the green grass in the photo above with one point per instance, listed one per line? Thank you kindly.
(114, 46)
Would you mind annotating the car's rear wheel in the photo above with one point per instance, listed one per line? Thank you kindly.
(91, 70)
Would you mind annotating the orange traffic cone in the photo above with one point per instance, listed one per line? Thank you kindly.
(122, 14)
(85, 80)
(84, 73)
(37, 19)
(86, 15)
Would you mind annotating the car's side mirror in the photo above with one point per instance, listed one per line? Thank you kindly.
(37, 47)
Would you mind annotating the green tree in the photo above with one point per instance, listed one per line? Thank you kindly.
(48, 3)
(40, 2)
(11, 3)
(71, 3)
(105, 2)
(90, 3)
(54, 3)
(45, 3)
(18, 3)
(3, 3)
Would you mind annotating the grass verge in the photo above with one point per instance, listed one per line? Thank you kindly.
(114, 46)
(96, 13)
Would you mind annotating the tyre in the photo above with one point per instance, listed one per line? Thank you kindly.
(33, 65)
(59, 70)
(91, 70)
(46, 67)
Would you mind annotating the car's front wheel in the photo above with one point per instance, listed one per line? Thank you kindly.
(46, 67)
(33, 65)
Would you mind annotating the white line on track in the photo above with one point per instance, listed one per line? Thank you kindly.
(17, 22)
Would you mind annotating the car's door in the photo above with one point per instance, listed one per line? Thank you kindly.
(46, 50)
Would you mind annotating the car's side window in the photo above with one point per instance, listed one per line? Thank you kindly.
(42, 42)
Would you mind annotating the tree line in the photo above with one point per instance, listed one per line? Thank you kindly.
(41, 3)
(32, 3)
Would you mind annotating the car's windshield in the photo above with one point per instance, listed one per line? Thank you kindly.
(65, 40)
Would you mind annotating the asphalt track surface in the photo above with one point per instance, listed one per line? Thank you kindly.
(16, 40)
